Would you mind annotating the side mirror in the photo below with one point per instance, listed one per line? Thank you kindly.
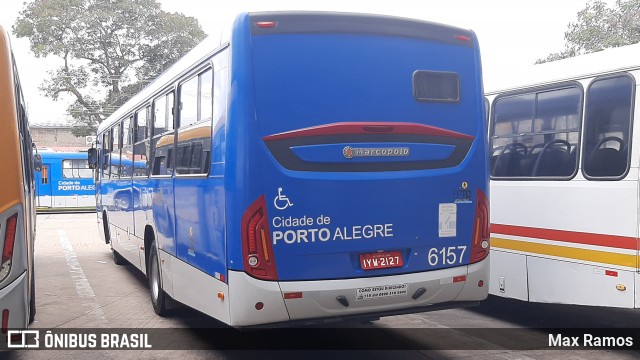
(92, 158)
(37, 162)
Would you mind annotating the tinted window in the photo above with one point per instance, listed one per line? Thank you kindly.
(536, 134)
(608, 117)
(436, 86)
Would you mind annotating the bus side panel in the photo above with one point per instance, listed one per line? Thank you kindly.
(508, 275)
(200, 239)
(557, 281)
(163, 209)
(241, 113)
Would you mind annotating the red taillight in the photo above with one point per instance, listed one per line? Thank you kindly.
(462, 38)
(5, 321)
(480, 244)
(266, 24)
(9, 238)
(257, 249)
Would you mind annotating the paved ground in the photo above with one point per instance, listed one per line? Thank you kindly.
(78, 286)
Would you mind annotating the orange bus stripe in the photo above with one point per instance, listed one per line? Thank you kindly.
(613, 241)
(566, 252)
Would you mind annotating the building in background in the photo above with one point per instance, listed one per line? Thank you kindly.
(59, 137)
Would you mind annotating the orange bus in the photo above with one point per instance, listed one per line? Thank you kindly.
(17, 200)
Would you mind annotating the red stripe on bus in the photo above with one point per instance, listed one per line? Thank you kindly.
(369, 128)
(621, 242)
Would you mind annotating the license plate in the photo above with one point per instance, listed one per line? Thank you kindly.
(381, 260)
(375, 292)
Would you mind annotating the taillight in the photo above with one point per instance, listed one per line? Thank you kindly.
(480, 245)
(257, 249)
(5, 322)
(9, 243)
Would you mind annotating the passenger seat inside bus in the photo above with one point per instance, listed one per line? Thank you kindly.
(607, 162)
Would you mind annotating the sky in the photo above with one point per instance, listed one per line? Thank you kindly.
(513, 34)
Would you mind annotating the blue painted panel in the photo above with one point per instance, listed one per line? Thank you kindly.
(307, 80)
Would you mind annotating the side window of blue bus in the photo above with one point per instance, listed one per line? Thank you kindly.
(126, 155)
(115, 151)
(76, 169)
(194, 134)
(162, 134)
(106, 153)
(141, 147)
(608, 117)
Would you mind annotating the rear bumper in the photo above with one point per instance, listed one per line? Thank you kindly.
(318, 302)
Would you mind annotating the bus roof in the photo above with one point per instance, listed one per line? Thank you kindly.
(607, 61)
(62, 155)
(297, 21)
(198, 54)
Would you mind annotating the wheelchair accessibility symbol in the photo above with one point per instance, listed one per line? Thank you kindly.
(281, 201)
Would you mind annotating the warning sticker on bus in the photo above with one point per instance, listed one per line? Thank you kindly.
(374, 292)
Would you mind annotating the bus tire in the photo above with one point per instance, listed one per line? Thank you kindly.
(117, 258)
(105, 227)
(32, 301)
(158, 296)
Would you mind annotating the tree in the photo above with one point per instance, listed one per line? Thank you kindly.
(599, 27)
(109, 50)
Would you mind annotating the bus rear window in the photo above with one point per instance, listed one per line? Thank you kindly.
(436, 86)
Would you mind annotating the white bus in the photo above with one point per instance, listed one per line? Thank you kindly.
(565, 212)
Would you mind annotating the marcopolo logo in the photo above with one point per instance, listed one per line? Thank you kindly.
(351, 152)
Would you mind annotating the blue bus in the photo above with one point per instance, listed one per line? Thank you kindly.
(305, 167)
(65, 182)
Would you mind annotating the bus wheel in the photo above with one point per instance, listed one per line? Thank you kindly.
(158, 297)
(32, 302)
(117, 258)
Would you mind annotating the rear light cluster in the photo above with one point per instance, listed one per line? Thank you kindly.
(7, 249)
(257, 250)
(480, 244)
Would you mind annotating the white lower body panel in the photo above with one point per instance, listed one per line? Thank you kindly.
(319, 298)
(545, 280)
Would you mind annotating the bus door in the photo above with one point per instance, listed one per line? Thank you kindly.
(43, 187)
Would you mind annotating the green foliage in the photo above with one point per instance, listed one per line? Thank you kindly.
(108, 49)
(599, 27)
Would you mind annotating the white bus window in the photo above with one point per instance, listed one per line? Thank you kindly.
(536, 134)
(607, 127)
(76, 169)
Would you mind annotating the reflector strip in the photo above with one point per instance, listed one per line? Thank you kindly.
(293, 295)
(264, 245)
(5, 321)
(611, 273)
(460, 278)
